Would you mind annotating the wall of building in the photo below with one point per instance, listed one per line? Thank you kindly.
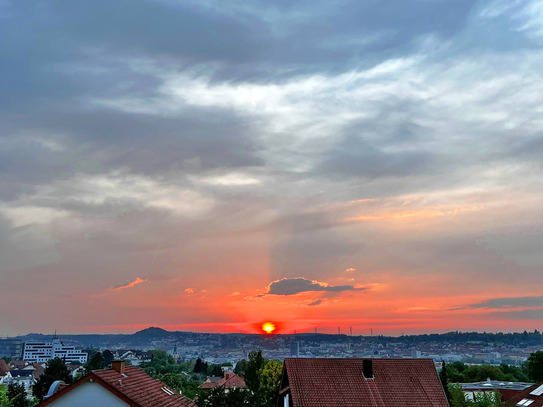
(89, 394)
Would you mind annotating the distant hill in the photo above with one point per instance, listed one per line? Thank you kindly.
(148, 338)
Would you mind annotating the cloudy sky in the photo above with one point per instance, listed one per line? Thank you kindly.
(211, 164)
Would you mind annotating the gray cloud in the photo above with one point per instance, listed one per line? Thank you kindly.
(512, 302)
(291, 286)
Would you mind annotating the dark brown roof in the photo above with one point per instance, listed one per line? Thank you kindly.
(4, 368)
(525, 394)
(135, 387)
(340, 382)
(229, 381)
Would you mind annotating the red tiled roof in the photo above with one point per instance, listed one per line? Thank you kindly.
(525, 394)
(138, 386)
(135, 387)
(340, 382)
(229, 381)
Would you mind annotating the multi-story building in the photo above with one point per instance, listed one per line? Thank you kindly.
(11, 348)
(44, 351)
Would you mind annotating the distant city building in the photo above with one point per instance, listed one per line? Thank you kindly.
(295, 349)
(416, 354)
(44, 351)
(11, 348)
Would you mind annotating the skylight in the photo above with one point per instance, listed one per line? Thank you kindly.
(524, 402)
(538, 391)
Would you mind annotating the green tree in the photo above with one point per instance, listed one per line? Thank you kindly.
(487, 399)
(56, 369)
(198, 366)
(108, 357)
(235, 397)
(239, 368)
(17, 395)
(251, 368)
(4, 402)
(534, 365)
(96, 362)
(477, 373)
(216, 370)
(270, 380)
(458, 397)
(180, 383)
(444, 378)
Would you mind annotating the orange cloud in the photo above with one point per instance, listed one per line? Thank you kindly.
(189, 291)
(130, 284)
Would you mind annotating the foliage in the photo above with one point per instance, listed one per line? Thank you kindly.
(458, 372)
(160, 363)
(235, 397)
(108, 357)
(458, 397)
(4, 402)
(251, 368)
(56, 369)
(180, 383)
(534, 365)
(482, 399)
(96, 362)
(270, 380)
(444, 378)
(215, 370)
(239, 368)
(17, 395)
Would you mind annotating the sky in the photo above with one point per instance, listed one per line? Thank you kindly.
(209, 165)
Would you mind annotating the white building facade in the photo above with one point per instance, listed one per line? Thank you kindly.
(44, 351)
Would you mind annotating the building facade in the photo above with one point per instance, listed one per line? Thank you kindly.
(44, 351)
(11, 348)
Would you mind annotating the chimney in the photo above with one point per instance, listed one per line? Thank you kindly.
(227, 376)
(367, 368)
(118, 365)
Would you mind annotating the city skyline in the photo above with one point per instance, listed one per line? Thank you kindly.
(214, 165)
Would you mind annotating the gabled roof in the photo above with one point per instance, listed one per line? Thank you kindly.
(21, 373)
(525, 398)
(341, 382)
(229, 381)
(135, 387)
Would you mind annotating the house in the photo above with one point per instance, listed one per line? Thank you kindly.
(24, 377)
(229, 381)
(532, 396)
(127, 386)
(508, 390)
(5, 375)
(360, 383)
(135, 357)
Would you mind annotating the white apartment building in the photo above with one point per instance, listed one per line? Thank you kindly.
(44, 351)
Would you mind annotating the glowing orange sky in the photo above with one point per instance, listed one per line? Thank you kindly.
(384, 175)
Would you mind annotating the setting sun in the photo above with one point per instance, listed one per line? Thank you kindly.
(268, 327)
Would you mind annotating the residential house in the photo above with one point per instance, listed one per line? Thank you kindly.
(229, 381)
(5, 375)
(508, 390)
(532, 397)
(135, 357)
(360, 383)
(120, 386)
(24, 377)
